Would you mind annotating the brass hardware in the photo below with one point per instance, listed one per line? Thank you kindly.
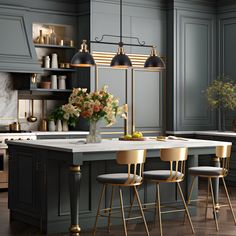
(75, 168)
(33, 78)
(75, 230)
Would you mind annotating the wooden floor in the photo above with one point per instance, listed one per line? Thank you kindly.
(170, 228)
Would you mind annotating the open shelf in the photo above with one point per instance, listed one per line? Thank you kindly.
(53, 46)
(60, 69)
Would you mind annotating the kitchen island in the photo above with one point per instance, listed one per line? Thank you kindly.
(46, 188)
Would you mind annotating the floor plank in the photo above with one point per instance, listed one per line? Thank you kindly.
(170, 227)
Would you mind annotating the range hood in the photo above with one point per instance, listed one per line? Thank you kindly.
(17, 52)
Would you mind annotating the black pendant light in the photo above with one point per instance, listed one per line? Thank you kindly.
(82, 58)
(121, 60)
(153, 61)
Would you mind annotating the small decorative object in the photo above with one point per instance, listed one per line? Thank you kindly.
(59, 126)
(51, 125)
(41, 38)
(45, 85)
(65, 125)
(62, 65)
(46, 62)
(61, 42)
(53, 37)
(71, 43)
(47, 39)
(93, 106)
(53, 82)
(54, 61)
(221, 95)
(67, 65)
(62, 81)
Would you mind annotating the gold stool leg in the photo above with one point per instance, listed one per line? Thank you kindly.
(110, 210)
(141, 210)
(230, 205)
(207, 199)
(190, 195)
(122, 211)
(98, 211)
(158, 206)
(131, 206)
(185, 206)
(214, 206)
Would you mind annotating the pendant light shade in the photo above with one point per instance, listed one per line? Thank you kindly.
(82, 58)
(153, 61)
(121, 60)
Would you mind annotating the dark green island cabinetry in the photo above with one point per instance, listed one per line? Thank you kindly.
(46, 176)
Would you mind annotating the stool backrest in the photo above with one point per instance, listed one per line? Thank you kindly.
(135, 160)
(177, 158)
(224, 154)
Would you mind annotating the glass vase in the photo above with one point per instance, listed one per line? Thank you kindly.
(94, 133)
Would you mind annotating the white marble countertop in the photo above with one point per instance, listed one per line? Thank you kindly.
(38, 133)
(210, 132)
(79, 145)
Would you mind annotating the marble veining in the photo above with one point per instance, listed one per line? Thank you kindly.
(8, 98)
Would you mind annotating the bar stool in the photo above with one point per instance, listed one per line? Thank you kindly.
(135, 160)
(210, 172)
(177, 158)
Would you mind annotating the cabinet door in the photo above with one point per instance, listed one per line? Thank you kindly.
(24, 183)
(17, 52)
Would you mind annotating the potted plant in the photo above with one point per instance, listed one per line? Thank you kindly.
(221, 95)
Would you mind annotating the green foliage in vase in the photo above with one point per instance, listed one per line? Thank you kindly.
(221, 93)
(59, 114)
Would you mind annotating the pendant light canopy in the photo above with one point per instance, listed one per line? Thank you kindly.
(153, 61)
(121, 60)
(82, 58)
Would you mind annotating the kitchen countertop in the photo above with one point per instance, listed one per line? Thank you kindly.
(79, 145)
(210, 132)
(38, 133)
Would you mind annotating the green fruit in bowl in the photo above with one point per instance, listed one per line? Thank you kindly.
(128, 136)
(137, 135)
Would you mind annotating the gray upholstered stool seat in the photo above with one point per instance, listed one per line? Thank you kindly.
(160, 174)
(205, 171)
(118, 178)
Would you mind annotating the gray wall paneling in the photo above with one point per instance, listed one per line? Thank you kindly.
(195, 69)
(227, 49)
(191, 68)
(148, 22)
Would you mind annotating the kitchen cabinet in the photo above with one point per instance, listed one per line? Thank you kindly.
(17, 52)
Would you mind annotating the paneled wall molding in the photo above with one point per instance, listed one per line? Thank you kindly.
(227, 52)
(156, 4)
(195, 35)
(193, 5)
(41, 6)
